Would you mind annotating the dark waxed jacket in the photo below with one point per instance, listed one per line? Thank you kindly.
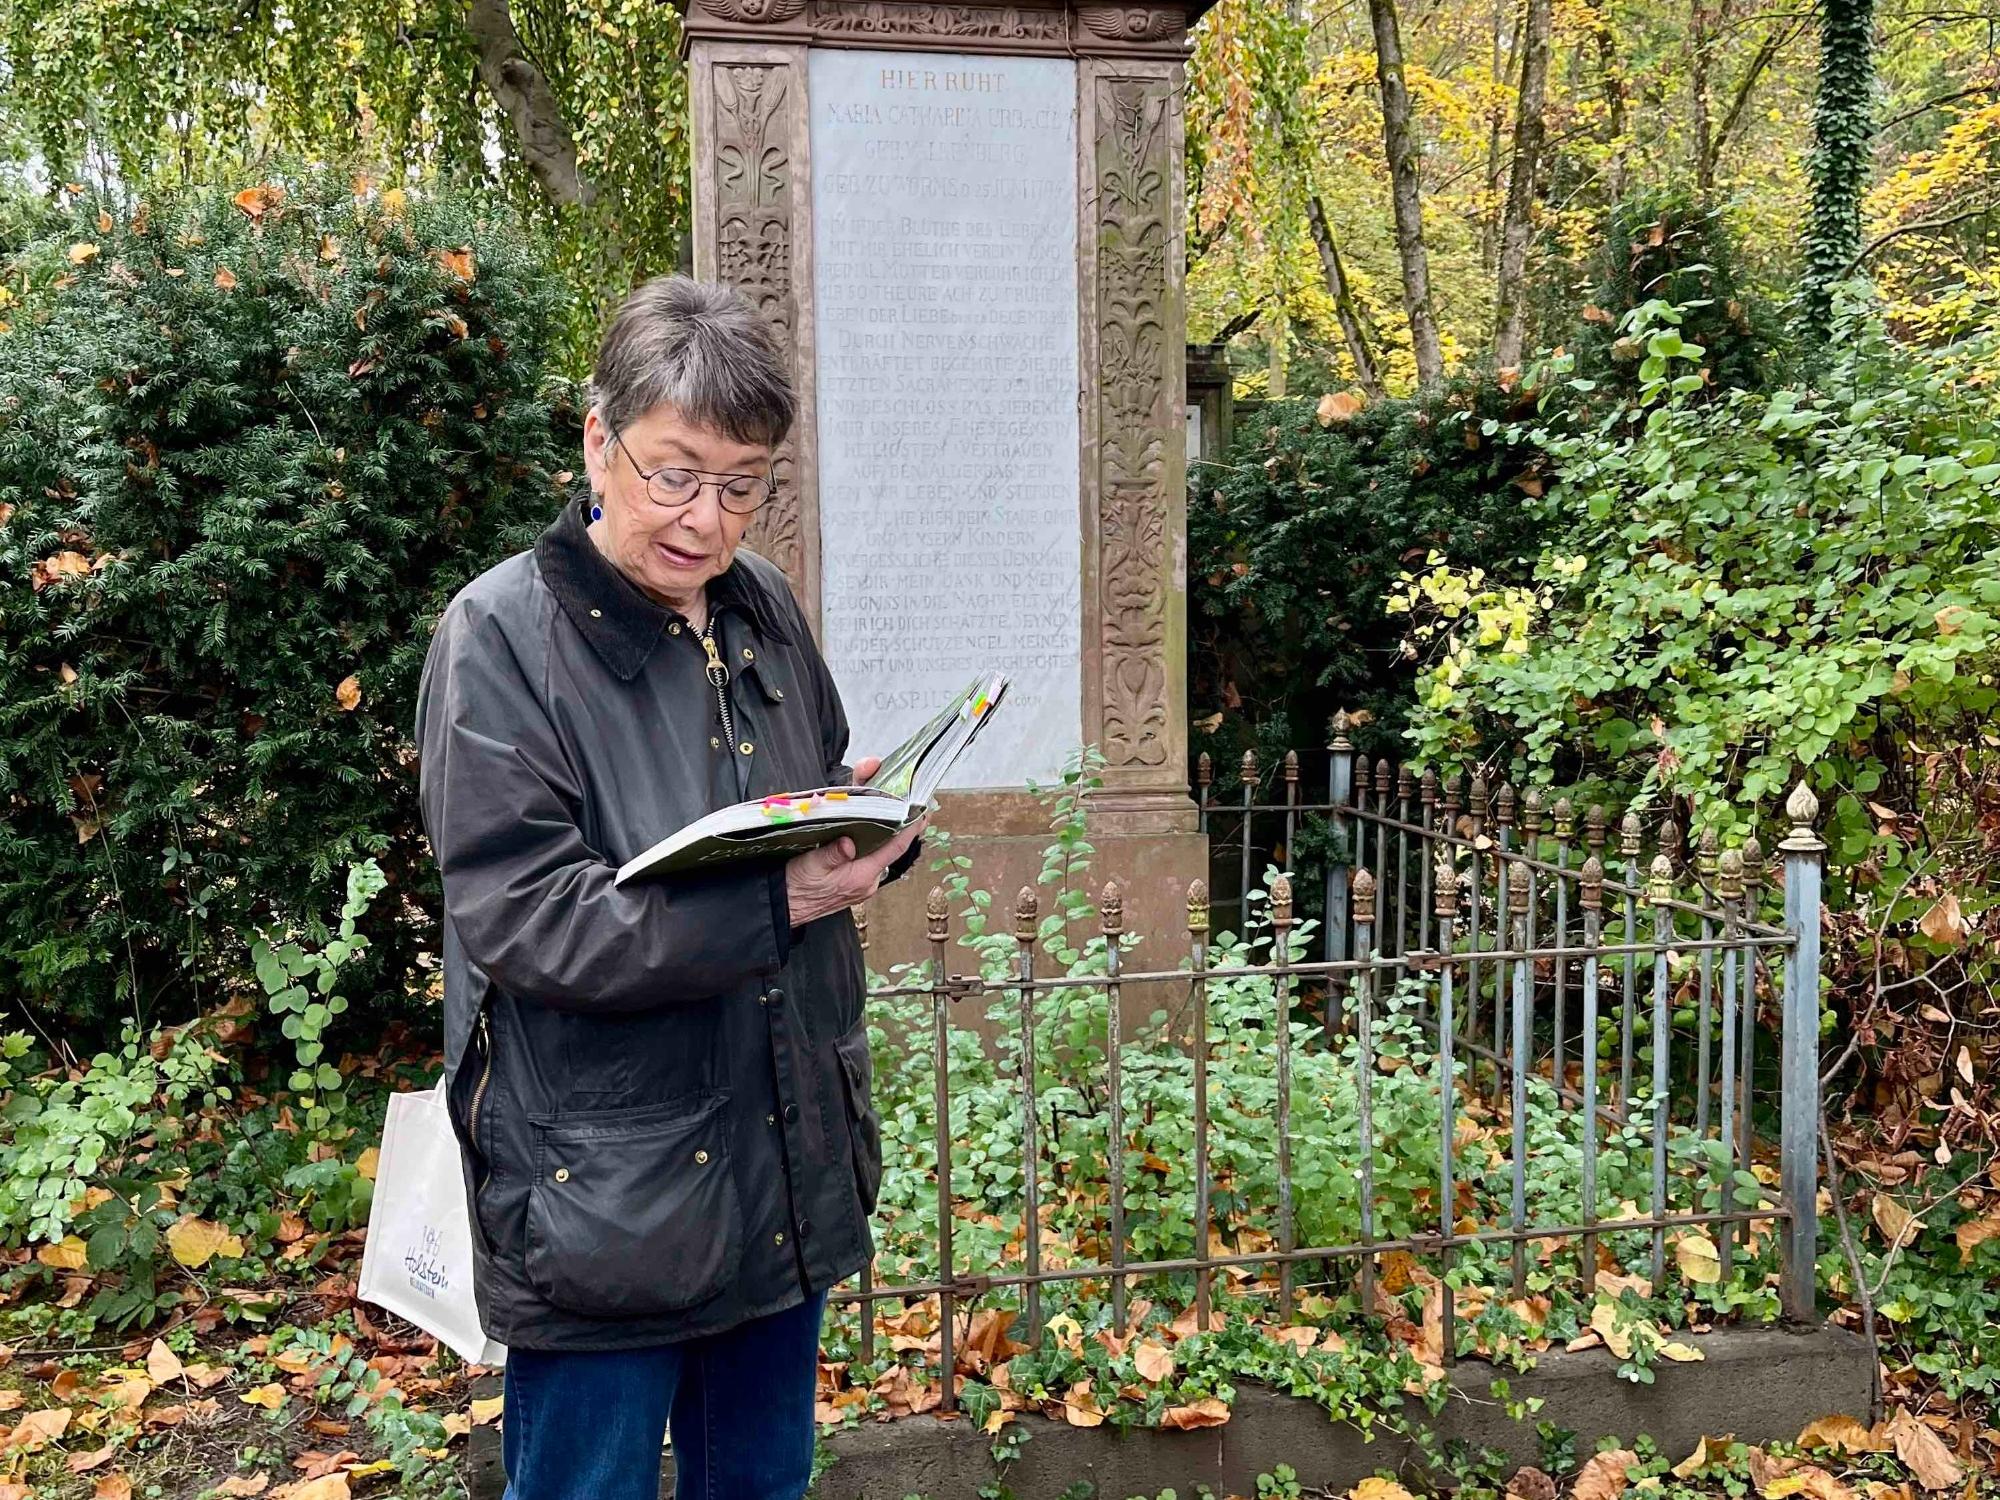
(661, 1091)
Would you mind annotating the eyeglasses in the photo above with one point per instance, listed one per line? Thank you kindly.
(671, 488)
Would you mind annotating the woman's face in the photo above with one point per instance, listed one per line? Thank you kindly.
(671, 552)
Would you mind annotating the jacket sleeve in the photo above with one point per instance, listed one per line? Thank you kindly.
(532, 902)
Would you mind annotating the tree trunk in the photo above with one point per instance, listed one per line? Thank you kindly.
(1614, 110)
(1343, 299)
(1839, 168)
(1700, 33)
(1517, 223)
(522, 90)
(1399, 145)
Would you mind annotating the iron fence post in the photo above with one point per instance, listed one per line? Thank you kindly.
(1591, 898)
(1281, 954)
(937, 927)
(1197, 926)
(1111, 918)
(1520, 899)
(1798, 1163)
(1660, 891)
(1447, 912)
(1026, 928)
(1364, 1055)
(1339, 787)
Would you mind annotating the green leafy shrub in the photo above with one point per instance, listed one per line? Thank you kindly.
(1662, 245)
(1294, 550)
(1805, 577)
(248, 449)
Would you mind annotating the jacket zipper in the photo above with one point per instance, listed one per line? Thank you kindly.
(718, 675)
(479, 1090)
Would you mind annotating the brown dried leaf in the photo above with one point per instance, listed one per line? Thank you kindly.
(38, 1428)
(1080, 1407)
(245, 1484)
(83, 1463)
(113, 1487)
(1209, 1411)
(259, 201)
(1890, 1217)
(348, 693)
(1603, 1478)
(1945, 924)
(162, 1364)
(1843, 1434)
(1924, 1453)
(1153, 1361)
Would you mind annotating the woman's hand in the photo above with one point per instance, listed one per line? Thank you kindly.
(830, 879)
(866, 767)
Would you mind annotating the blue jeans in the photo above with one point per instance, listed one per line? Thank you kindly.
(587, 1425)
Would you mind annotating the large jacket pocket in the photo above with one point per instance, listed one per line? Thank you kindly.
(857, 1071)
(633, 1212)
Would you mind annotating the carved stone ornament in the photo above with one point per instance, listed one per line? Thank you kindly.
(753, 251)
(1131, 23)
(756, 12)
(986, 22)
(1134, 397)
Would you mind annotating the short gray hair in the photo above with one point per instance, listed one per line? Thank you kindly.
(701, 348)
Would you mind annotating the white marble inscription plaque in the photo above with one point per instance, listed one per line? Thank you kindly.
(944, 245)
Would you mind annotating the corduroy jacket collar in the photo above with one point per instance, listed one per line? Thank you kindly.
(621, 623)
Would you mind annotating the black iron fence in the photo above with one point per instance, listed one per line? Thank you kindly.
(1638, 988)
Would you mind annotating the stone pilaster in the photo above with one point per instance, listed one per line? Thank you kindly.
(1130, 229)
(753, 227)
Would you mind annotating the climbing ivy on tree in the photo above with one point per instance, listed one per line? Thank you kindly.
(1843, 113)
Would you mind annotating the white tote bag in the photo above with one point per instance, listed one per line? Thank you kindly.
(417, 1261)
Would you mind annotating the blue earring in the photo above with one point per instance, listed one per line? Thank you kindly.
(596, 512)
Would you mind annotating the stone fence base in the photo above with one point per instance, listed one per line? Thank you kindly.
(1757, 1385)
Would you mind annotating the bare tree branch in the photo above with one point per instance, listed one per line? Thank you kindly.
(1920, 226)
(522, 90)
(1343, 299)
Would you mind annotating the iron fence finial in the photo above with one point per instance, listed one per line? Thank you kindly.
(1291, 766)
(1197, 908)
(1281, 902)
(1729, 882)
(1364, 897)
(1518, 881)
(1204, 770)
(1477, 799)
(1341, 724)
(1591, 880)
(1707, 852)
(1595, 822)
(1503, 805)
(1446, 886)
(1753, 863)
(1111, 910)
(1531, 813)
(1565, 820)
(1249, 772)
(937, 915)
(1802, 807)
(1383, 774)
(1026, 909)
(1361, 778)
(1660, 889)
(1427, 789)
(1406, 782)
(1670, 840)
(1630, 833)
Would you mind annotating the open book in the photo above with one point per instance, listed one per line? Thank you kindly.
(870, 814)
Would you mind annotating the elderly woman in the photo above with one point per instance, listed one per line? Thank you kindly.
(660, 1089)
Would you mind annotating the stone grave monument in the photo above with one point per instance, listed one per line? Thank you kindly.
(965, 222)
